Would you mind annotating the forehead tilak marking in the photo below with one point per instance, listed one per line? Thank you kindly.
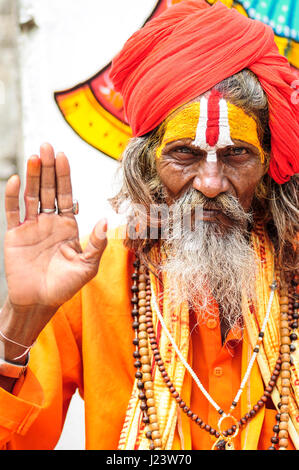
(211, 126)
(213, 130)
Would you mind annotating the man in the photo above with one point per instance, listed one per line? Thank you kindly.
(204, 312)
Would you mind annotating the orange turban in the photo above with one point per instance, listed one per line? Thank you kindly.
(190, 48)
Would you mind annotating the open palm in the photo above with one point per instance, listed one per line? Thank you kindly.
(44, 262)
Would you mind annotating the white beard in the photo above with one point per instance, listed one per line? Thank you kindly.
(209, 262)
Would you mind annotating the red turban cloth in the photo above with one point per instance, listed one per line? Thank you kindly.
(190, 48)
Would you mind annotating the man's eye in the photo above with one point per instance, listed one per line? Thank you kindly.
(185, 150)
(237, 151)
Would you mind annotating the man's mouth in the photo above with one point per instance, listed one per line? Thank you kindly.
(209, 214)
(211, 211)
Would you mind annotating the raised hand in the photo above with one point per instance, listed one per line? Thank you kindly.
(44, 262)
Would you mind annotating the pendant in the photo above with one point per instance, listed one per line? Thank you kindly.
(223, 444)
(229, 445)
(226, 442)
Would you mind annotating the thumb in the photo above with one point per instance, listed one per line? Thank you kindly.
(97, 242)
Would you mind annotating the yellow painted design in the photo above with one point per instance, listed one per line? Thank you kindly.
(240, 9)
(93, 123)
(293, 55)
(183, 125)
(228, 3)
(243, 127)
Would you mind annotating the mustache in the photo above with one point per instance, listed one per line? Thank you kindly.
(225, 203)
(202, 264)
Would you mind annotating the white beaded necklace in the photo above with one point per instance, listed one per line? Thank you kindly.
(273, 288)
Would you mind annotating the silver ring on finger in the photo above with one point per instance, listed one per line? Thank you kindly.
(48, 211)
(74, 209)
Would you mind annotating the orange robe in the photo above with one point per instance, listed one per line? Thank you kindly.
(88, 346)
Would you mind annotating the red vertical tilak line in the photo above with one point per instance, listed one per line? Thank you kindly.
(212, 132)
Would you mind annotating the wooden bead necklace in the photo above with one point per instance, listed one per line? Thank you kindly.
(289, 314)
(140, 300)
(145, 334)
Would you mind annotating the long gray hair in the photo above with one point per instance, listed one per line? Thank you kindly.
(275, 205)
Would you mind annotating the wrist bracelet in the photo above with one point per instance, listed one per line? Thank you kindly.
(11, 369)
(27, 348)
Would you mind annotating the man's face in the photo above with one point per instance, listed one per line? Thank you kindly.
(212, 146)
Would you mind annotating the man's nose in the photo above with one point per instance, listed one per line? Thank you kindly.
(210, 179)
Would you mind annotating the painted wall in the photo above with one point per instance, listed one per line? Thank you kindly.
(10, 135)
(72, 40)
(61, 43)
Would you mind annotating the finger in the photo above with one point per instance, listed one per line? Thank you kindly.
(31, 194)
(64, 192)
(97, 242)
(12, 208)
(48, 183)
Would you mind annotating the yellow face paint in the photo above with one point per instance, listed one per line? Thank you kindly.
(182, 125)
(191, 122)
(243, 127)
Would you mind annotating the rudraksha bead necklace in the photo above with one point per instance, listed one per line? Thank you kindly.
(144, 334)
(140, 300)
(289, 304)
